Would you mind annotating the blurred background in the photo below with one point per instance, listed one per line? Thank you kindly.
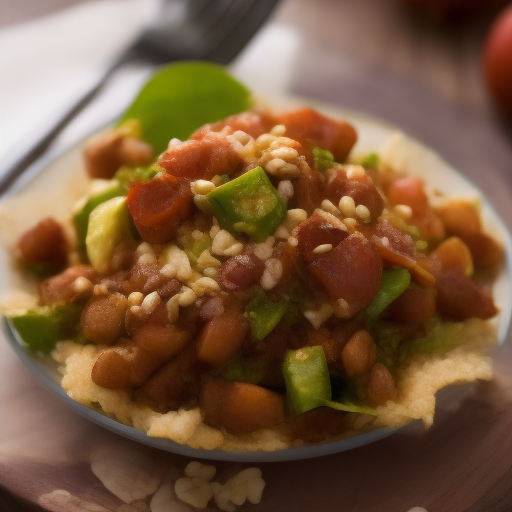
(421, 64)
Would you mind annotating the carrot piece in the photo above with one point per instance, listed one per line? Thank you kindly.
(400, 260)
(159, 206)
(239, 406)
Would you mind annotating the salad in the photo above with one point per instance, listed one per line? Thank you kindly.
(252, 287)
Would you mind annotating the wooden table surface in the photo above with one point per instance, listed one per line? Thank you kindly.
(378, 57)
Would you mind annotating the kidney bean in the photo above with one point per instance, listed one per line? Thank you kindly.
(44, 244)
(239, 406)
(241, 272)
(381, 386)
(102, 319)
(359, 353)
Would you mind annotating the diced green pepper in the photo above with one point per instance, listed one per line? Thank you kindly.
(323, 159)
(41, 327)
(249, 204)
(110, 225)
(307, 378)
(394, 281)
(196, 247)
(264, 314)
(81, 217)
(244, 369)
(129, 177)
(370, 161)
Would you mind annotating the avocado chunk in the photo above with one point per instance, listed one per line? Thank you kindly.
(81, 218)
(110, 225)
(41, 327)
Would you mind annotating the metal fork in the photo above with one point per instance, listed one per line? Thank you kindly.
(212, 30)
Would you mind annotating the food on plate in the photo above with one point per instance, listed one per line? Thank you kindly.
(253, 288)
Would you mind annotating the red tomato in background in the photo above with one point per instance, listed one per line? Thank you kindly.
(498, 60)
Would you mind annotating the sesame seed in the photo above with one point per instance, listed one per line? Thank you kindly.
(385, 241)
(187, 297)
(285, 153)
(210, 272)
(363, 213)
(150, 302)
(347, 206)
(318, 316)
(293, 241)
(202, 187)
(421, 245)
(135, 299)
(278, 167)
(216, 180)
(356, 172)
(403, 211)
(173, 142)
(100, 289)
(272, 274)
(285, 189)
(82, 284)
(350, 222)
(278, 130)
(329, 207)
(323, 248)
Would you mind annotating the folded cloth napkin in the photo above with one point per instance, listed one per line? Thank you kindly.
(47, 63)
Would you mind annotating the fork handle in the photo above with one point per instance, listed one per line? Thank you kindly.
(21, 156)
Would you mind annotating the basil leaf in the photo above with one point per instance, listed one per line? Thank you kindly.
(180, 98)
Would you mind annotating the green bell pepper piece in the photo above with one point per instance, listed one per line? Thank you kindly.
(196, 247)
(264, 314)
(393, 282)
(41, 327)
(244, 369)
(81, 217)
(249, 204)
(323, 159)
(129, 177)
(307, 378)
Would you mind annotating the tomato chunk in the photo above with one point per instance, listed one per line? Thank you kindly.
(239, 406)
(252, 123)
(200, 159)
(315, 231)
(159, 206)
(241, 272)
(361, 190)
(313, 129)
(351, 271)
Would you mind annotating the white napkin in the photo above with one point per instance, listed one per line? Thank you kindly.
(46, 63)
